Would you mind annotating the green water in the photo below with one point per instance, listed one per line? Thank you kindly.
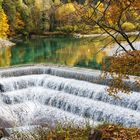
(65, 51)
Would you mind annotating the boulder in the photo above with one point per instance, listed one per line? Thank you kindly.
(1, 88)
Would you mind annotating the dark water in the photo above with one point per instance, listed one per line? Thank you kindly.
(65, 51)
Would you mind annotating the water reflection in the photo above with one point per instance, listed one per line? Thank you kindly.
(5, 56)
(65, 51)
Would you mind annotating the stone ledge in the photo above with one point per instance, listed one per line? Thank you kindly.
(5, 43)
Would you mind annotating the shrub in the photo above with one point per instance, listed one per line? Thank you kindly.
(120, 67)
(128, 26)
(102, 132)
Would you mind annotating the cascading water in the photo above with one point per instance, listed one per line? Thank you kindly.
(92, 76)
(35, 96)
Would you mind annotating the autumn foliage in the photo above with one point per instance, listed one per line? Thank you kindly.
(19, 24)
(102, 132)
(125, 10)
(120, 67)
(117, 132)
(4, 27)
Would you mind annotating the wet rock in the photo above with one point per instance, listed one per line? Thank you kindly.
(3, 133)
(6, 123)
(1, 88)
(7, 100)
(95, 135)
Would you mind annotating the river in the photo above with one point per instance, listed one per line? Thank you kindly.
(57, 50)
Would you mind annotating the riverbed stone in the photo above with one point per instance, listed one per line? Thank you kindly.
(6, 123)
(3, 133)
(95, 135)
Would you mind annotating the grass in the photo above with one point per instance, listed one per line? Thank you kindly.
(102, 132)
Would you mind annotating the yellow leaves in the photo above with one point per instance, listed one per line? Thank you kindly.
(100, 6)
(39, 4)
(57, 2)
(5, 57)
(128, 26)
(89, 13)
(4, 27)
(65, 10)
(100, 56)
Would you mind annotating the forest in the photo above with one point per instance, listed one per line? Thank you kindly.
(38, 16)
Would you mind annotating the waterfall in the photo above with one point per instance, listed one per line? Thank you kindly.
(93, 76)
(39, 95)
(89, 108)
(34, 113)
(71, 86)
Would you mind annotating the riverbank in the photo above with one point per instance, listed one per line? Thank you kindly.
(79, 35)
(20, 37)
(102, 132)
(5, 43)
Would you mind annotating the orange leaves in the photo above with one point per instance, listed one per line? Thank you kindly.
(121, 66)
(117, 132)
(121, 10)
(110, 17)
(136, 4)
(128, 64)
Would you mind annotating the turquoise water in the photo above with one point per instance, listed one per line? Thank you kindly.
(57, 50)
